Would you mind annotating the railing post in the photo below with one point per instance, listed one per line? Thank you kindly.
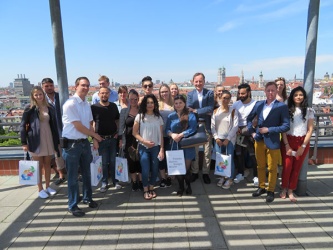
(309, 74)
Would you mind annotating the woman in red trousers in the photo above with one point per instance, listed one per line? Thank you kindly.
(296, 141)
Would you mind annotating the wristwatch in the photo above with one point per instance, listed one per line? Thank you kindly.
(303, 146)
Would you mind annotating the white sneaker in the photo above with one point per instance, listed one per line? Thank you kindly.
(51, 191)
(227, 184)
(117, 186)
(42, 194)
(255, 181)
(221, 181)
(239, 178)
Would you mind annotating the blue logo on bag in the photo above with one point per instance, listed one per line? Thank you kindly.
(28, 173)
(221, 166)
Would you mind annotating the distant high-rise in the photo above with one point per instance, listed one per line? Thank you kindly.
(22, 86)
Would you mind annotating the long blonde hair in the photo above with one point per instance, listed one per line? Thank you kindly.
(161, 100)
(33, 102)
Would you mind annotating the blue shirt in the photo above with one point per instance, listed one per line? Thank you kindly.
(112, 98)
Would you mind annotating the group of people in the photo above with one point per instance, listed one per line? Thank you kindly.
(121, 122)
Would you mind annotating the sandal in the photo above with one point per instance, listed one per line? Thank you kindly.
(283, 194)
(152, 193)
(292, 198)
(146, 195)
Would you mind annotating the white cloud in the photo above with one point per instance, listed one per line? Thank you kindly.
(229, 26)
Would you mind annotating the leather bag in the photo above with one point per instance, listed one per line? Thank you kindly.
(197, 139)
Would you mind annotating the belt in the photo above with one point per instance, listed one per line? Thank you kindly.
(107, 136)
(76, 141)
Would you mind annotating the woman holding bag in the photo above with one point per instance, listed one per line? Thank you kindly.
(181, 123)
(39, 136)
(224, 128)
(127, 140)
(148, 130)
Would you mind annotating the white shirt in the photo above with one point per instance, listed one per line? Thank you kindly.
(150, 128)
(267, 109)
(200, 96)
(243, 111)
(299, 127)
(75, 109)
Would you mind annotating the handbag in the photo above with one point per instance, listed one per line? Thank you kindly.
(197, 139)
(96, 170)
(223, 164)
(175, 161)
(121, 172)
(133, 153)
(28, 171)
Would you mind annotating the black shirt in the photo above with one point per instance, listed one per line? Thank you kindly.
(105, 118)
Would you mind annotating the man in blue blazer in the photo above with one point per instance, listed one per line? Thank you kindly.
(273, 119)
(201, 102)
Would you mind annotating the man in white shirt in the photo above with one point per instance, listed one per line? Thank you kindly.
(245, 144)
(77, 119)
(104, 81)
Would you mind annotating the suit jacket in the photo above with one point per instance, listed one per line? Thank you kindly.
(207, 107)
(277, 121)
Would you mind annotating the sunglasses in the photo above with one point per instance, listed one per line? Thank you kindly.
(148, 86)
(280, 79)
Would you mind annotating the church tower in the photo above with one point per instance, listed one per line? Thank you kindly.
(219, 76)
(261, 80)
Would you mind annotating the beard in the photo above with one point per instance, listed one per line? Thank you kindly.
(243, 98)
(104, 100)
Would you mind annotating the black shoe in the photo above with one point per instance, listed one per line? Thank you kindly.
(80, 178)
(91, 204)
(180, 192)
(168, 182)
(259, 192)
(194, 177)
(140, 186)
(189, 190)
(163, 183)
(135, 186)
(270, 196)
(59, 181)
(77, 212)
(206, 178)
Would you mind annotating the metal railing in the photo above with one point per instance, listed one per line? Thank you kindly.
(321, 137)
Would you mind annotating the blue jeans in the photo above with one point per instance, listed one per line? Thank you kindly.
(230, 150)
(149, 164)
(78, 155)
(108, 150)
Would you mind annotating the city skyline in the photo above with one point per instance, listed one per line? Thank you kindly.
(128, 40)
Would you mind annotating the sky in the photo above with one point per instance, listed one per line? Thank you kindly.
(171, 39)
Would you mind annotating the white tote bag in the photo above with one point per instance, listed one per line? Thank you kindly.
(175, 162)
(121, 172)
(96, 170)
(28, 172)
(223, 164)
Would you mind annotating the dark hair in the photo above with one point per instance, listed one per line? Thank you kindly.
(184, 114)
(270, 84)
(244, 86)
(284, 91)
(146, 78)
(77, 81)
(226, 92)
(199, 74)
(122, 89)
(133, 92)
(292, 106)
(47, 80)
(143, 106)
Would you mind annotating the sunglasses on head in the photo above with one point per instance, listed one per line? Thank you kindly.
(148, 86)
(280, 79)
